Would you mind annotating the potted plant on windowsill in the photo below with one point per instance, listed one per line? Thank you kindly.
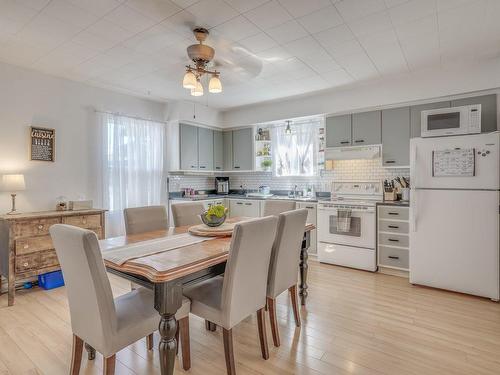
(266, 165)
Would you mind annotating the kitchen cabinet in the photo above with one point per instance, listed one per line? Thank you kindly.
(243, 149)
(227, 139)
(205, 149)
(338, 131)
(393, 238)
(244, 207)
(415, 115)
(218, 150)
(188, 147)
(311, 219)
(366, 128)
(488, 110)
(396, 137)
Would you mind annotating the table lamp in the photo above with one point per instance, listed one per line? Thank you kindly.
(13, 183)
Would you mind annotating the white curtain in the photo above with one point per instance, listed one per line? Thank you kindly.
(295, 152)
(133, 152)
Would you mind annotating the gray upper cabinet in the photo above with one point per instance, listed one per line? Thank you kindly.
(227, 139)
(218, 151)
(338, 131)
(396, 137)
(243, 149)
(188, 147)
(366, 128)
(488, 110)
(415, 115)
(205, 149)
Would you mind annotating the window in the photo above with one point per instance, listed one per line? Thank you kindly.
(295, 151)
(132, 165)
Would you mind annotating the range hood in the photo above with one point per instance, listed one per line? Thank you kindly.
(352, 153)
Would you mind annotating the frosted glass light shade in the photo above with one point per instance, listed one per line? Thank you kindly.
(13, 182)
(214, 85)
(189, 81)
(198, 90)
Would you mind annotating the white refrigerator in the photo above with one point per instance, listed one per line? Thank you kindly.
(454, 213)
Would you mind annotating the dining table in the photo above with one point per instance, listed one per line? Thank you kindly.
(166, 273)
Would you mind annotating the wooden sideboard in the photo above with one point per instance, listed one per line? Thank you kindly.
(26, 248)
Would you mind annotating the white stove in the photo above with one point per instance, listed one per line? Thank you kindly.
(355, 245)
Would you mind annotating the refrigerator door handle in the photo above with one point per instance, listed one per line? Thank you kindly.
(413, 209)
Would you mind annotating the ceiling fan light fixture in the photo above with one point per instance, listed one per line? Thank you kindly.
(198, 90)
(189, 81)
(215, 85)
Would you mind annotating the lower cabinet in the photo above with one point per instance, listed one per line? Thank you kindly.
(393, 238)
(244, 207)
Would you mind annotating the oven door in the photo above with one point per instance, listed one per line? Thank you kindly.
(360, 234)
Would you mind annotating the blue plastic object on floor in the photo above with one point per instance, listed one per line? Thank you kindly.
(28, 285)
(51, 280)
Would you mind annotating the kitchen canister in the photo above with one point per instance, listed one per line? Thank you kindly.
(405, 194)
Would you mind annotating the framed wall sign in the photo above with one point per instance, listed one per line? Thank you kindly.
(42, 143)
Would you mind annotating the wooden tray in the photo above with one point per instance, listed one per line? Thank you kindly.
(225, 230)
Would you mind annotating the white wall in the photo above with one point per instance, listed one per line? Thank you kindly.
(31, 98)
(423, 86)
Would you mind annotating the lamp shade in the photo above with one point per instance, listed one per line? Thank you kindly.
(13, 182)
(198, 90)
(214, 85)
(189, 81)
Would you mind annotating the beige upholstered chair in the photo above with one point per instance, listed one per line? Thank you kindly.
(228, 300)
(145, 219)
(106, 324)
(277, 207)
(187, 213)
(284, 267)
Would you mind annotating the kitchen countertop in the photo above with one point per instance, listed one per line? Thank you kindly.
(394, 203)
(241, 196)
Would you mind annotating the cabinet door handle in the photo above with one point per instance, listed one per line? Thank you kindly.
(393, 226)
(393, 240)
(359, 140)
(217, 167)
(236, 167)
(344, 142)
(202, 167)
(248, 204)
(392, 257)
(310, 207)
(239, 203)
(193, 166)
(390, 161)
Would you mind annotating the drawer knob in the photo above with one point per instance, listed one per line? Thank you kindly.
(393, 213)
(393, 257)
(40, 226)
(25, 264)
(393, 240)
(393, 226)
(26, 246)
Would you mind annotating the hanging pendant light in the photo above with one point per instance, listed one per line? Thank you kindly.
(288, 129)
(215, 85)
(198, 89)
(189, 81)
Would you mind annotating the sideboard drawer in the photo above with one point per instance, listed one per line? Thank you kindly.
(83, 221)
(393, 227)
(39, 227)
(33, 244)
(390, 257)
(27, 262)
(393, 213)
(399, 240)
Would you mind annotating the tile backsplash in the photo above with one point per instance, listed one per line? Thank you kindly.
(343, 170)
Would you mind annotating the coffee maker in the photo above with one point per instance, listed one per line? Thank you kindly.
(222, 185)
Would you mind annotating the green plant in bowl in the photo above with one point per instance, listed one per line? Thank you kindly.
(214, 216)
(266, 164)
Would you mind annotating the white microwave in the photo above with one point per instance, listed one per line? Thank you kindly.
(451, 121)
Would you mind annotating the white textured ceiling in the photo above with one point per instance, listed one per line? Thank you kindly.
(265, 49)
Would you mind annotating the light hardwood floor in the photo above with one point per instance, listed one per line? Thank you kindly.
(355, 323)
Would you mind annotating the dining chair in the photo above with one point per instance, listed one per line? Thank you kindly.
(108, 325)
(145, 219)
(228, 300)
(285, 259)
(187, 213)
(273, 207)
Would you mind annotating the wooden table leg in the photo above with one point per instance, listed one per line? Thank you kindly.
(303, 268)
(168, 299)
(91, 352)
